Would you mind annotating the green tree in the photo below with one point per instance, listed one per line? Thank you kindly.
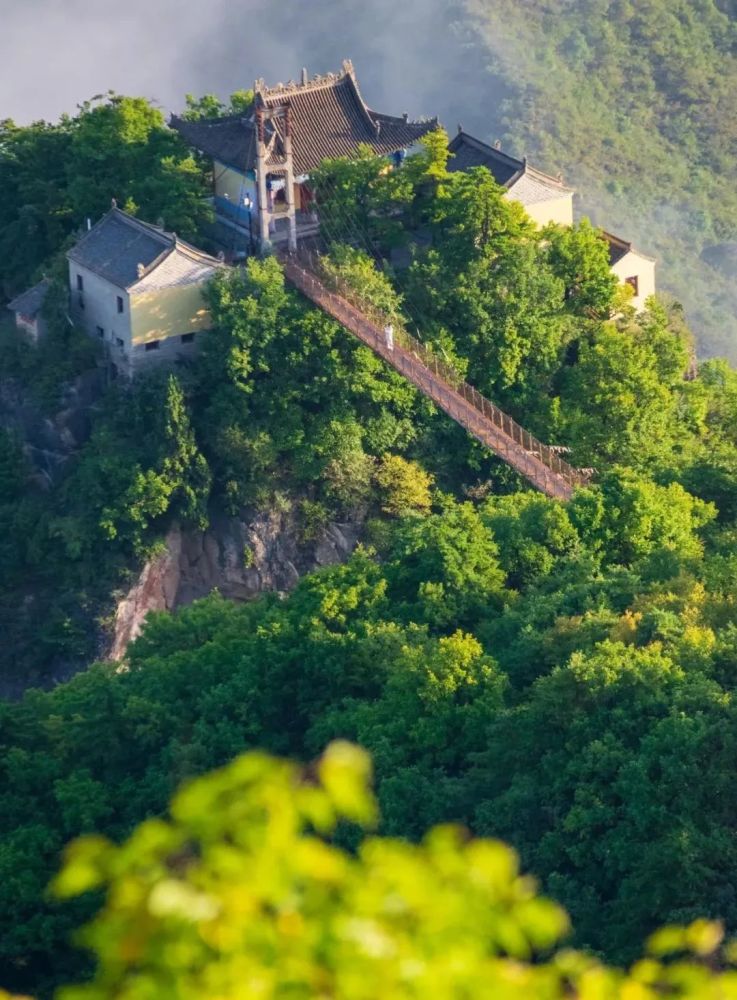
(582, 772)
(630, 518)
(121, 148)
(141, 463)
(443, 569)
(240, 888)
(358, 198)
(210, 106)
(404, 485)
(54, 176)
(288, 398)
(580, 257)
(35, 212)
(621, 401)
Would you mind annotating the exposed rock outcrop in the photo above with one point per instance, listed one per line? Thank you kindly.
(48, 441)
(239, 557)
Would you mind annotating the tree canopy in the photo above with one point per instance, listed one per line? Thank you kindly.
(561, 676)
(241, 890)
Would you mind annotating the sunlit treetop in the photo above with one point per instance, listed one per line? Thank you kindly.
(242, 893)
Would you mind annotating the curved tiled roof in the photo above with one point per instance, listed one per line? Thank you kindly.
(532, 186)
(619, 248)
(526, 184)
(231, 140)
(329, 118)
(123, 250)
(470, 152)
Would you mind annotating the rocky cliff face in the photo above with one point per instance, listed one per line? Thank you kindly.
(49, 440)
(239, 557)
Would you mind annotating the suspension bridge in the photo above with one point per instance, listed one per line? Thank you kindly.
(540, 464)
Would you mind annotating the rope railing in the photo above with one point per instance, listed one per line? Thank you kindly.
(538, 462)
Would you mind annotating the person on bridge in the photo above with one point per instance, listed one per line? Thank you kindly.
(389, 334)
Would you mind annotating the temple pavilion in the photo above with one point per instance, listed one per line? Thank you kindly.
(262, 161)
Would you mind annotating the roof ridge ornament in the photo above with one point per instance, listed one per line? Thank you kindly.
(291, 86)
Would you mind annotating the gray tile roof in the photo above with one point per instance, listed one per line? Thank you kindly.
(28, 303)
(524, 183)
(123, 249)
(619, 248)
(232, 140)
(532, 187)
(181, 266)
(329, 119)
(470, 152)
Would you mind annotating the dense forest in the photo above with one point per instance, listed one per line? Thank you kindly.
(559, 676)
(637, 104)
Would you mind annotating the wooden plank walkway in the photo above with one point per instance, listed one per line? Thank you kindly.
(537, 462)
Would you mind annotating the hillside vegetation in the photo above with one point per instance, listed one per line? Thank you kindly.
(561, 676)
(637, 104)
(241, 892)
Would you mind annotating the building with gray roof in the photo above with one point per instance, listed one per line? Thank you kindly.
(27, 309)
(139, 289)
(262, 161)
(545, 198)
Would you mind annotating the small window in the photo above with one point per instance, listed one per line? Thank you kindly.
(80, 300)
(80, 283)
(634, 281)
(100, 333)
(153, 345)
(120, 304)
(119, 342)
(187, 338)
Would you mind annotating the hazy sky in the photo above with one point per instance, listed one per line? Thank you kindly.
(409, 54)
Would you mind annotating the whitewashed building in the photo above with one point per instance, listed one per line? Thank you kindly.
(633, 268)
(139, 290)
(546, 199)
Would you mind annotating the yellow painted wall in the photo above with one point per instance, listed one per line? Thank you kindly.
(167, 312)
(559, 210)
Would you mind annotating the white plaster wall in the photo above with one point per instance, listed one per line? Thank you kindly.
(170, 351)
(634, 264)
(100, 309)
(29, 325)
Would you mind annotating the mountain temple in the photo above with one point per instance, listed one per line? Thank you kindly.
(262, 161)
(140, 289)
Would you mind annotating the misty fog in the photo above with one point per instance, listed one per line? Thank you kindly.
(410, 55)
